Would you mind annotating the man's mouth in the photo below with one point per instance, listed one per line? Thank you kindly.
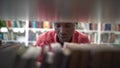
(64, 38)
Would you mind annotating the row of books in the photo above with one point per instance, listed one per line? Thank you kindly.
(105, 37)
(16, 55)
(93, 37)
(46, 24)
(94, 26)
(40, 24)
(110, 38)
(32, 36)
(12, 35)
(14, 24)
(83, 56)
(72, 55)
(87, 26)
(110, 27)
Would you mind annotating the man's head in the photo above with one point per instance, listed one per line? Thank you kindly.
(64, 31)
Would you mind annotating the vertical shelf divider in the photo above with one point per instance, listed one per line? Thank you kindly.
(26, 34)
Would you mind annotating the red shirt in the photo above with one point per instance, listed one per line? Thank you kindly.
(51, 37)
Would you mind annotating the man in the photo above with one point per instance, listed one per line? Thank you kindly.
(64, 32)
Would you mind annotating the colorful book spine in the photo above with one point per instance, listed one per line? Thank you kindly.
(30, 24)
(46, 24)
(9, 23)
(107, 27)
(35, 25)
(14, 23)
(18, 24)
(39, 24)
(42, 23)
(4, 24)
(21, 23)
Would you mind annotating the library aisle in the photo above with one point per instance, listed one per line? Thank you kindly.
(22, 21)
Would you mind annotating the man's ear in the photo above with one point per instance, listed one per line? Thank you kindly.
(75, 25)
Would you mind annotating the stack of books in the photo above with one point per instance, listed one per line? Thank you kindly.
(83, 56)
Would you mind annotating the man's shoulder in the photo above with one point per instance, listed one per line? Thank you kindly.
(47, 34)
(80, 34)
(81, 37)
(45, 38)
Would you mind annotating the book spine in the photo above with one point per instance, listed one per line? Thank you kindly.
(18, 24)
(9, 23)
(66, 58)
(107, 27)
(58, 58)
(39, 24)
(96, 60)
(74, 59)
(14, 24)
(46, 24)
(116, 59)
(107, 59)
(47, 60)
(84, 60)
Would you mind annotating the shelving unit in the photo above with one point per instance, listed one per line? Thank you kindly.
(28, 32)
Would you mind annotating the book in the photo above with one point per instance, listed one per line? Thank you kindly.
(34, 24)
(15, 23)
(113, 27)
(39, 24)
(31, 36)
(105, 37)
(42, 23)
(98, 56)
(96, 59)
(117, 39)
(51, 25)
(9, 23)
(30, 24)
(112, 38)
(46, 24)
(95, 26)
(101, 56)
(22, 24)
(18, 23)
(3, 23)
(107, 27)
(47, 60)
(91, 26)
(58, 58)
(66, 59)
(116, 56)
(79, 55)
(107, 59)
(5, 36)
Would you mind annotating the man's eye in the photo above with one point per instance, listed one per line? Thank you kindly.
(58, 25)
(67, 26)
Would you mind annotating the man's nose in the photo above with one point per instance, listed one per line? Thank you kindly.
(62, 30)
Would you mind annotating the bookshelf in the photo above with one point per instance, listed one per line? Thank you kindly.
(26, 32)
(13, 31)
(110, 33)
(83, 56)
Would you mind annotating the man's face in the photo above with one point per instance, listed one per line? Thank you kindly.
(64, 31)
